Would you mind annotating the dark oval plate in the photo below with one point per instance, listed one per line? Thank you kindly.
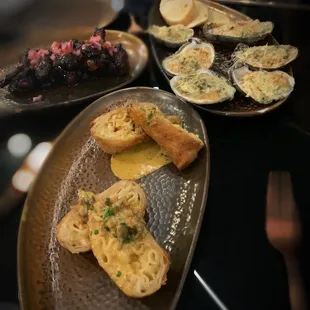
(240, 105)
(50, 277)
(62, 95)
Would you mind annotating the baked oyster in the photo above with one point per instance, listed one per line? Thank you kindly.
(245, 31)
(202, 87)
(171, 36)
(263, 86)
(267, 57)
(191, 57)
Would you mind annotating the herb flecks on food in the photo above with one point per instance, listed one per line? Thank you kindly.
(150, 115)
(124, 224)
(107, 212)
(148, 124)
(87, 199)
(118, 274)
(127, 233)
(107, 200)
(96, 231)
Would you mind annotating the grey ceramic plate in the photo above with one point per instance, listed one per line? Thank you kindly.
(52, 278)
(138, 57)
(240, 105)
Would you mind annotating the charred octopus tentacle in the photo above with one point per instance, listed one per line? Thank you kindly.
(67, 63)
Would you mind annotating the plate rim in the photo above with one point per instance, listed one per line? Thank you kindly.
(65, 131)
(233, 13)
(98, 95)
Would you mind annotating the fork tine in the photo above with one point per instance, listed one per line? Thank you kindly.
(273, 195)
(280, 197)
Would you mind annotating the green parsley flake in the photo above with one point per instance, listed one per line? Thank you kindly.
(124, 224)
(148, 124)
(118, 274)
(96, 231)
(150, 115)
(108, 200)
(107, 212)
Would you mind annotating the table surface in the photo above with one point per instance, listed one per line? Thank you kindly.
(232, 254)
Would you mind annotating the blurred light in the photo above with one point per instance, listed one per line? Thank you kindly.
(22, 179)
(19, 144)
(156, 87)
(210, 291)
(117, 5)
(38, 155)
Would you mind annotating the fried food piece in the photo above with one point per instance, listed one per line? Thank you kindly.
(123, 246)
(181, 146)
(72, 231)
(115, 131)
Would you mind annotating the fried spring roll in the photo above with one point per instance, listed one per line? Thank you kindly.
(181, 146)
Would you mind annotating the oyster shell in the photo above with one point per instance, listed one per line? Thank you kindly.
(268, 57)
(171, 36)
(202, 87)
(191, 57)
(249, 31)
(263, 86)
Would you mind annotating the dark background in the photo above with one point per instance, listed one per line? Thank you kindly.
(232, 255)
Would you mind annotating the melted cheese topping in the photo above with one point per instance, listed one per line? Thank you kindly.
(189, 61)
(138, 161)
(205, 87)
(175, 33)
(269, 57)
(243, 29)
(265, 87)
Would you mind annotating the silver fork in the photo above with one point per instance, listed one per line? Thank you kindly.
(284, 232)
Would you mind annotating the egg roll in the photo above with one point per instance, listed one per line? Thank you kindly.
(180, 145)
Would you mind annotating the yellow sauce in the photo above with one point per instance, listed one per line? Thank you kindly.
(139, 161)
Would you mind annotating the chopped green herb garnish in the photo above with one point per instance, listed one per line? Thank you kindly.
(143, 110)
(128, 234)
(148, 124)
(96, 231)
(107, 212)
(124, 224)
(118, 274)
(150, 115)
(108, 200)
(154, 109)
(129, 239)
